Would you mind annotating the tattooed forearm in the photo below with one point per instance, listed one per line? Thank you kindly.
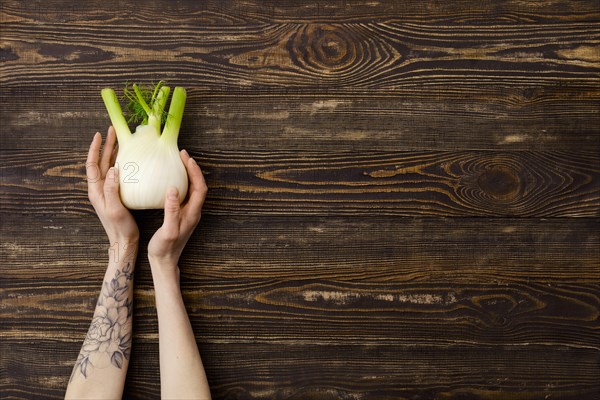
(108, 341)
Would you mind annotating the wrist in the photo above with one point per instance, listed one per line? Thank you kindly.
(121, 250)
(167, 262)
(131, 240)
(164, 270)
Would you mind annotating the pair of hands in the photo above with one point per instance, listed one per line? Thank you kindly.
(168, 242)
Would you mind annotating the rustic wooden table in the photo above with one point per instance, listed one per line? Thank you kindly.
(404, 195)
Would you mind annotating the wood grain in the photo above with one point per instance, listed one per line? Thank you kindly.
(322, 311)
(429, 183)
(370, 55)
(487, 117)
(403, 196)
(384, 56)
(345, 371)
(366, 249)
(221, 13)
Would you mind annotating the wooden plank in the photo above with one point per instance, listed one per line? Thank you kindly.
(352, 249)
(314, 56)
(220, 13)
(489, 117)
(343, 371)
(330, 311)
(425, 183)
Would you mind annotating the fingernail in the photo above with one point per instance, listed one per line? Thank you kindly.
(194, 161)
(111, 173)
(185, 152)
(172, 194)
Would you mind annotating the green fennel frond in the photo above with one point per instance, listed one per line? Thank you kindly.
(134, 111)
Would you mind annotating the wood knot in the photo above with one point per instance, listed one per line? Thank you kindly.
(340, 53)
(500, 182)
(331, 48)
(326, 47)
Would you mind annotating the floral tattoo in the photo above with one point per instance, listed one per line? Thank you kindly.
(108, 340)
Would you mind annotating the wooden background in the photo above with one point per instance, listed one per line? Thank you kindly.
(404, 196)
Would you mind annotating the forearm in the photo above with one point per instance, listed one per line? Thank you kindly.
(101, 366)
(181, 370)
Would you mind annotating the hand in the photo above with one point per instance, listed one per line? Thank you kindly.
(103, 192)
(168, 242)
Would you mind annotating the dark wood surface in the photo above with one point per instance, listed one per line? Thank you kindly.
(404, 196)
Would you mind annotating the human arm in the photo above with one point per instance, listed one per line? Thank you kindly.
(182, 374)
(101, 367)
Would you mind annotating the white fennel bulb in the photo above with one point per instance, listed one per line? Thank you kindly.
(148, 161)
(148, 166)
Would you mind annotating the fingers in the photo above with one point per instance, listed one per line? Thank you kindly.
(111, 188)
(92, 157)
(108, 150)
(197, 190)
(197, 182)
(184, 156)
(172, 212)
(92, 170)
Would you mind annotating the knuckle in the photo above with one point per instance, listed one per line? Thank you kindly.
(94, 196)
(111, 214)
(110, 187)
(114, 213)
(172, 207)
(195, 217)
(92, 171)
(202, 191)
(170, 235)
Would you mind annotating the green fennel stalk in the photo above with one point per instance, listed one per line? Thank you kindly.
(146, 106)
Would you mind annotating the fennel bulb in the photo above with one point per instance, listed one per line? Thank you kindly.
(148, 161)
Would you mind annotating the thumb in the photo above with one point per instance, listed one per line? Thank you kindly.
(111, 187)
(172, 210)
